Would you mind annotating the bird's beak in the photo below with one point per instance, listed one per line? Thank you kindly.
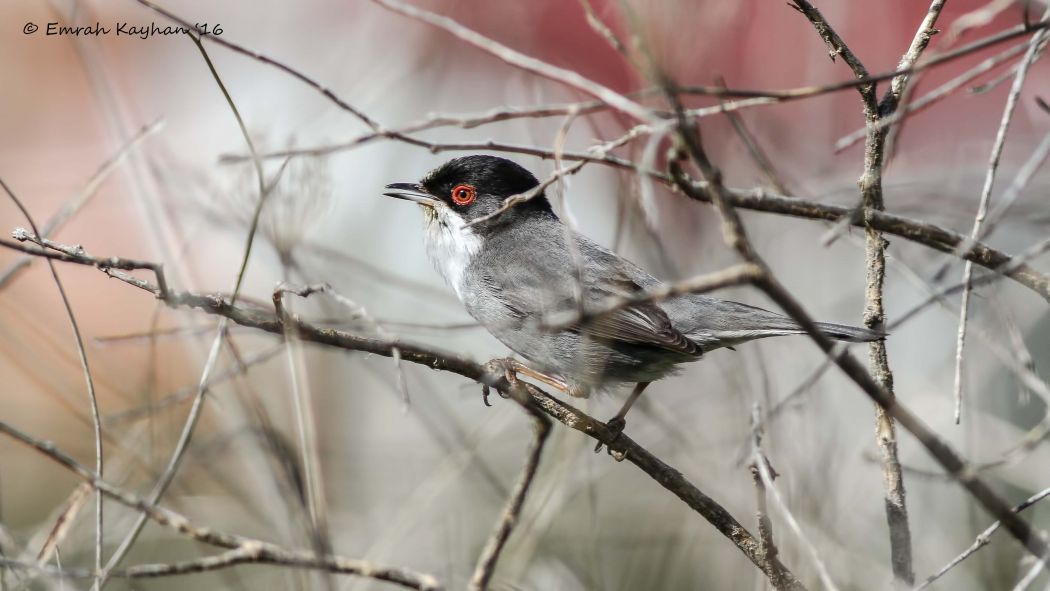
(411, 192)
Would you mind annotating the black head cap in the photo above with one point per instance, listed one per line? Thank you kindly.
(492, 179)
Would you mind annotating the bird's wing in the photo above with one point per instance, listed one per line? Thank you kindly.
(643, 324)
(548, 286)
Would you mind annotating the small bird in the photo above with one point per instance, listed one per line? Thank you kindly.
(519, 271)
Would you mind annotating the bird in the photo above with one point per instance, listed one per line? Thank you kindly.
(518, 270)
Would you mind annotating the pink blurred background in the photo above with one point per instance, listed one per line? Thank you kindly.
(421, 487)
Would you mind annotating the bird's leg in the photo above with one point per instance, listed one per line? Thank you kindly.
(617, 423)
(512, 367)
(519, 367)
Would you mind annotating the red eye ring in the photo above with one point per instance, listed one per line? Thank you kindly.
(464, 194)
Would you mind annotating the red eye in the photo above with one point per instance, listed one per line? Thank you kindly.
(464, 194)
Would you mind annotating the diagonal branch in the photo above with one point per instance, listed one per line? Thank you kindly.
(667, 476)
(342, 104)
(96, 415)
(517, 59)
(541, 425)
(764, 475)
(193, 416)
(911, 57)
(242, 549)
(943, 453)
(983, 539)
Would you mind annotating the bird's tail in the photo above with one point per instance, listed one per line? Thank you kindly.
(853, 334)
(722, 323)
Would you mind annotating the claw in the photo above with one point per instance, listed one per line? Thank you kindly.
(616, 426)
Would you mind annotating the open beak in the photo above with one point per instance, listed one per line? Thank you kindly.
(411, 192)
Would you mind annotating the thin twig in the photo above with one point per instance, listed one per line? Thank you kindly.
(541, 426)
(188, 392)
(342, 104)
(990, 277)
(765, 525)
(267, 553)
(1030, 576)
(927, 29)
(77, 254)
(938, 448)
(358, 313)
(836, 46)
(602, 29)
(599, 151)
(944, 90)
(982, 208)
(63, 523)
(766, 475)
(758, 155)
(982, 540)
(740, 274)
(517, 59)
(82, 198)
(193, 416)
(920, 232)
(96, 417)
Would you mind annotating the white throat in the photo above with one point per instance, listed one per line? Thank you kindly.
(451, 245)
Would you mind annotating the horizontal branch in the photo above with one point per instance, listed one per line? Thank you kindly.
(920, 232)
(917, 231)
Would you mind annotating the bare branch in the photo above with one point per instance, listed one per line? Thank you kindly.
(77, 254)
(245, 549)
(342, 104)
(602, 29)
(911, 57)
(982, 540)
(82, 198)
(740, 274)
(765, 476)
(517, 59)
(938, 448)
(96, 416)
(668, 477)
(765, 525)
(1034, 50)
(944, 90)
(541, 426)
(836, 46)
(920, 232)
(62, 525)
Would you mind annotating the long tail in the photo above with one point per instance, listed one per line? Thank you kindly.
(721, 323)
(853, 334)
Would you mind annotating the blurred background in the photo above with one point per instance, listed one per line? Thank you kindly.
(416, 476)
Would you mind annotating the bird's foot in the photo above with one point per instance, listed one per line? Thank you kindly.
(511, 368)
(616, 426)
(504, 366)
(485, 391)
